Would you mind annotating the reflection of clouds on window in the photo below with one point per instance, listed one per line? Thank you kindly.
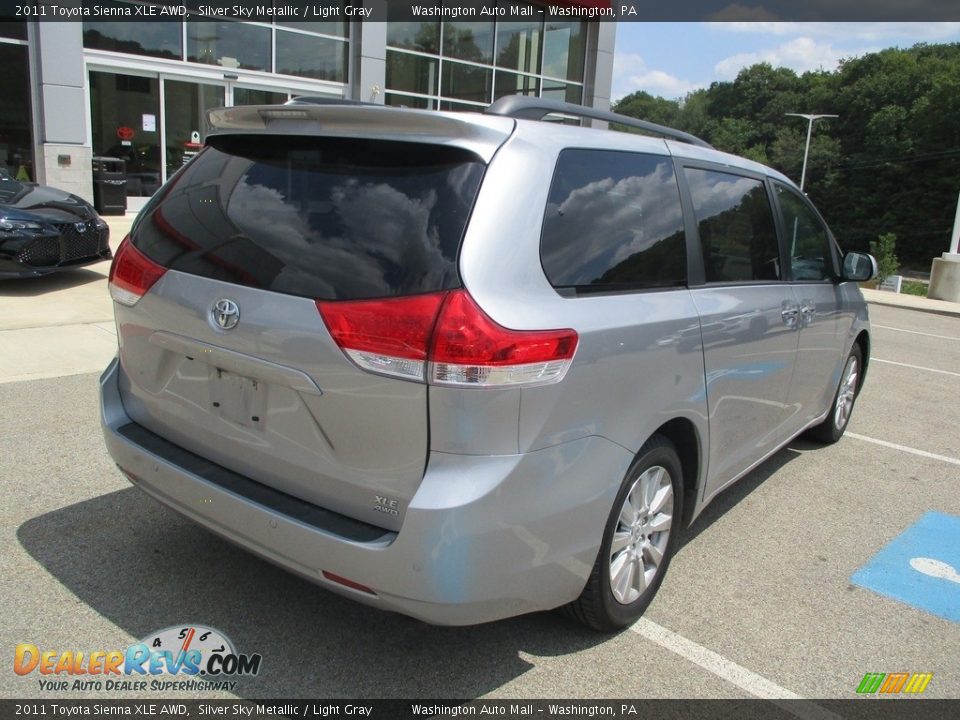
(716, 193)
(601, 224)
(358, 238)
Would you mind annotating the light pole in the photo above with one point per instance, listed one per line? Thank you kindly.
(806, 150)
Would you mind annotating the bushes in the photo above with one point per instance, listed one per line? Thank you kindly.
(884, 250)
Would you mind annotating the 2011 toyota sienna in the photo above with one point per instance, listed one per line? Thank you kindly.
(467, 366)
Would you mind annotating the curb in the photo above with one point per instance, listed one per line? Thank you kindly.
(924, 305)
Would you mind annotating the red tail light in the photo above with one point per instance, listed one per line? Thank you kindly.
(388, 336)
(132, 274)
(471, 349)
(451, 336)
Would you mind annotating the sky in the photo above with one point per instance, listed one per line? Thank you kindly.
(672, 59)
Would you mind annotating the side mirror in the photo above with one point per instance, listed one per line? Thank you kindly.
(859, 267)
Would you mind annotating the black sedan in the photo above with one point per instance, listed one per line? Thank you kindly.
(43, 229)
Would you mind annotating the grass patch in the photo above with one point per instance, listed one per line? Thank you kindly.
(912, 287)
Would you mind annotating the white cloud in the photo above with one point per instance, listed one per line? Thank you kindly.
(801, 54)
(630, 73)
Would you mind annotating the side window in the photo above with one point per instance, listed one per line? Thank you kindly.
(737, 233)
(809, 242)
(613, 222)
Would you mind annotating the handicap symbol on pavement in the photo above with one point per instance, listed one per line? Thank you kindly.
(920, 567)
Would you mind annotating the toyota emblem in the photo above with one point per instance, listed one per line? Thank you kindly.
(226, 314)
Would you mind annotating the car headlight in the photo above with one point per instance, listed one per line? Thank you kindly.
(11, 225)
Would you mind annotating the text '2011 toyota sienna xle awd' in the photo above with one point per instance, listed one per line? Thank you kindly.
(467, 366)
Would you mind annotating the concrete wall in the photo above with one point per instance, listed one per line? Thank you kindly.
(61, 148)
(369, 62)
(598, 80)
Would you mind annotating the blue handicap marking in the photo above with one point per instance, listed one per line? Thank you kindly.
(921, 566)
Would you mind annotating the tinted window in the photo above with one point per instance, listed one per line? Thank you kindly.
(737, 233)
(613, 220)
(810, 255)
(228, 43)
(14, 29)
(158, 38)
(318, 217)
(309, 56)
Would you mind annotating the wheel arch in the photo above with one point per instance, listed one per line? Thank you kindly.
(863, 340)
(682, 433)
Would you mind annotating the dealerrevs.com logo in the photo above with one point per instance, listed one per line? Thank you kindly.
(181, 657)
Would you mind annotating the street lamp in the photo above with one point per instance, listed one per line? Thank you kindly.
(806, 150)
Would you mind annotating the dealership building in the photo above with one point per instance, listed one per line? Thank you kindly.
(139, 90)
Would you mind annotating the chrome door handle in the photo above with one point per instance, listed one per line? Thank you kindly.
(789, 315)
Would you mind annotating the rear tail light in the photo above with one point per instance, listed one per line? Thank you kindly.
(447, 339)
(388, 336)
(471, 349)
(132, 274)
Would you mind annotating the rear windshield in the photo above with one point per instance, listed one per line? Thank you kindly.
(325, 218)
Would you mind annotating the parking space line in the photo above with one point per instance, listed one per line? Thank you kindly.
(915, 367)
(904, 448)
(917, 332)
(716, 664)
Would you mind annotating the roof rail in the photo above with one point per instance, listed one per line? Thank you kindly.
(323, 100)
(532, 108)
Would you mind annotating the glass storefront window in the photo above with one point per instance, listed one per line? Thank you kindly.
(156, 39)
(514, 84)
(13, 29)
(412, 73)
(229, 44)
(311, 56)
(317, 24)
(185, 106)
(563, 50)
(518, 45)
(564, 92)
(533, 57)
(418, 103)
(471, 41)
(16, 148)
(466, 82)
(252, 96)
(124, 112)
(420, 36)
(459, 106)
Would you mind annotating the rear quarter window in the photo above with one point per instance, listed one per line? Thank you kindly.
(325, 218)
(613, 222)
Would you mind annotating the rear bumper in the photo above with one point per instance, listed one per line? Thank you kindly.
(484, 538)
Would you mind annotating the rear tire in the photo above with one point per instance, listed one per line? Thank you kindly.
(835, 424)
(639, 539)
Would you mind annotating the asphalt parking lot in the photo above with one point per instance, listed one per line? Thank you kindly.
(761, 599)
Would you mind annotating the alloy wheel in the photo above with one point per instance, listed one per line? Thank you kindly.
(642, 534)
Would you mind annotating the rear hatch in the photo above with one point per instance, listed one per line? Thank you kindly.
(223, 342)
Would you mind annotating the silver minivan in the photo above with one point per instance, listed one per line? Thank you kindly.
(467, 366)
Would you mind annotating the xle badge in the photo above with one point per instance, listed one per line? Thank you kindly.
(386, 505)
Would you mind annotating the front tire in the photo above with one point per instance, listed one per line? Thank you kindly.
(835, 424)
(638, 541)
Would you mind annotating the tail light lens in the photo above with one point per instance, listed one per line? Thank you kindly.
(132, 274)
(447, 339)
(471, 349)
(388, 336)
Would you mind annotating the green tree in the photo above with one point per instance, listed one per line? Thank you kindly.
(884, 250)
